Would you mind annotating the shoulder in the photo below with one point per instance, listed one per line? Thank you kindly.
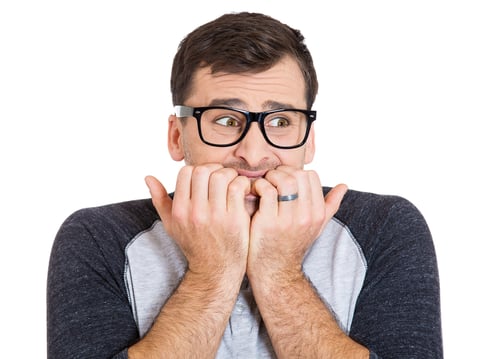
(401, 285)
(137, 213)
(103, 226)
(373, 204)
(120, 210)
(362, 208)
(384, 221)
(93, 240)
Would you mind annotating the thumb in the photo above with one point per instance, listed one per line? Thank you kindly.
(160, 198)
(333, 199)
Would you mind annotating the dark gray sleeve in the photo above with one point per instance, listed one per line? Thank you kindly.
(88, 312)
(398, 310)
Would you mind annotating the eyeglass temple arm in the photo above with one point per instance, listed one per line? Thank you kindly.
(183, 111)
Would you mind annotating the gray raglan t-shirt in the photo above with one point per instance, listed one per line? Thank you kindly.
(113, 267)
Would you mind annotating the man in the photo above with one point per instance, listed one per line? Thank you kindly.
(249, 257)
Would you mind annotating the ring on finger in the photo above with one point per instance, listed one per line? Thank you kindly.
(287, 198)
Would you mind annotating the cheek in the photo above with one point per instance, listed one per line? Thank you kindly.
(196, 152)
(294, 158)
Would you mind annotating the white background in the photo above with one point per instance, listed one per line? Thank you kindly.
(84, 101)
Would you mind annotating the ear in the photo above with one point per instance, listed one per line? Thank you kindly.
(174, 138)
(310, 146)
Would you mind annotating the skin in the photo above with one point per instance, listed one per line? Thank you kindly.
(228, 222)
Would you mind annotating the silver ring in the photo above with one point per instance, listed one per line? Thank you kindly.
(290, 197)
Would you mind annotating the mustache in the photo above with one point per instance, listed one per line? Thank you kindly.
(242, 165)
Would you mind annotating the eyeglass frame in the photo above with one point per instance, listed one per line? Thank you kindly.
(196, 112)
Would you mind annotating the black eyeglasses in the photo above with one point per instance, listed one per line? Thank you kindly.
(225, 126)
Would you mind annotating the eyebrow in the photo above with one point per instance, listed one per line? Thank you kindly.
(238, 103)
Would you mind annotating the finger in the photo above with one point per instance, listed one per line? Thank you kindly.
(333, 199)
(268, 196)
(284, 179)
(316, 189)
(160, 198)
(200, 182)
(237, 190)
(218, 187)
(304, 202)
(183, 184)
(316, 202)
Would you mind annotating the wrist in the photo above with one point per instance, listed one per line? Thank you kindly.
(277, 277)
(219, 278)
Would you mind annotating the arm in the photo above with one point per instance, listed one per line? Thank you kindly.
(208, 220)
(398, 309)
(89, 314)
(298, 322)
(88, 311)
(193, 320)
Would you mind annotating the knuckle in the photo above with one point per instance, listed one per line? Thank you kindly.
(178, 212)
(199, 218)
(222, 175)
(186, 170)
(291, 182)
(271, 191)
(200, 171)
(184, 173)
(235, 187)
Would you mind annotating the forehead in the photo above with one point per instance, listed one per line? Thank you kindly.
(283, 83)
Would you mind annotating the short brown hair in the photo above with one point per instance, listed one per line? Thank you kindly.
(237, 43)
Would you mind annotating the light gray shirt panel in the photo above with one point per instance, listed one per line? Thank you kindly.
(155, 266)
(336, 267)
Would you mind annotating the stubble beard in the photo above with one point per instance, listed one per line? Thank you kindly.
(251, 203)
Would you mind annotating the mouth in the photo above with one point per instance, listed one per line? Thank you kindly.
(252, 176)
(251, 197)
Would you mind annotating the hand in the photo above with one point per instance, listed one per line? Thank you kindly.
(282, 232)
(207, 217)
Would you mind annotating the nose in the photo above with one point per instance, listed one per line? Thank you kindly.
(253, 148)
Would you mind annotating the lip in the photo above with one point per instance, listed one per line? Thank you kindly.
(251, 197)
(251, 174)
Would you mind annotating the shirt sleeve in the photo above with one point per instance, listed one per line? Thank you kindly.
(398, 310)
(88, 312)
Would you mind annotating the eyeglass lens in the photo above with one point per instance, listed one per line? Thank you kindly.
(224, 126)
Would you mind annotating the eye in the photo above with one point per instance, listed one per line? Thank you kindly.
(278, 122)
(228, 121)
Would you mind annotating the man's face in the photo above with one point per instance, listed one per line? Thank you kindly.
(253, 156)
